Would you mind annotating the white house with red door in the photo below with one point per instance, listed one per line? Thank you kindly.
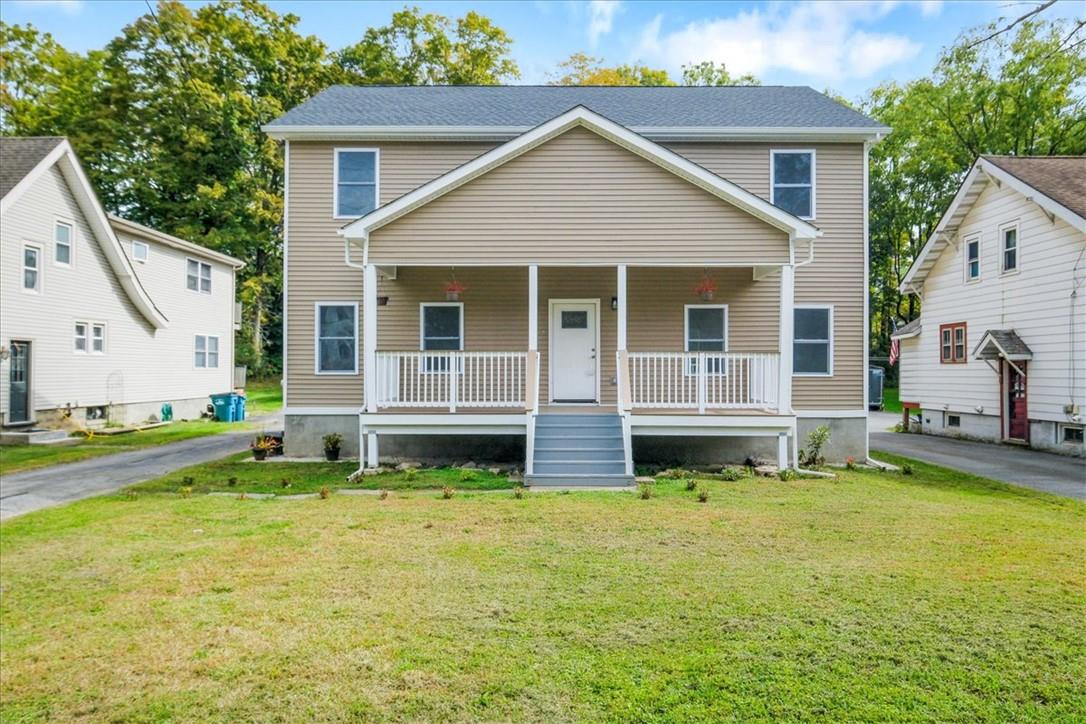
(999, 350)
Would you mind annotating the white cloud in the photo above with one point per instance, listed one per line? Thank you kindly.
(819, 39)
(601, 17)
(931, 8)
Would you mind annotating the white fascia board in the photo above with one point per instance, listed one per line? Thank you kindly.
(506, 133)
(154, 235)
(624, 137)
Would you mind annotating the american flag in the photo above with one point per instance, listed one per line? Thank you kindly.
(895, 351)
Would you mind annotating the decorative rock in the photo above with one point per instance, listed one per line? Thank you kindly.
(408, 465)
(769, 471)
(494, 471)
(470, 465)
(644, 479)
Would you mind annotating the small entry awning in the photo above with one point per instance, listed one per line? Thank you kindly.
(1002, 344)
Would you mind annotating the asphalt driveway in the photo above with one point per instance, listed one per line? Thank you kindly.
(44, 487)
(1051, 473)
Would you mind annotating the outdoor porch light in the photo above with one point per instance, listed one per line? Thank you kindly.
(614, 303)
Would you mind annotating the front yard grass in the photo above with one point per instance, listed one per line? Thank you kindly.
(875, 596)
(263, 397)
(26, 457)
(269, 477)
(890, 400)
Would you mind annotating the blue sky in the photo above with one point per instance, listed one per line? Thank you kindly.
(846, 46)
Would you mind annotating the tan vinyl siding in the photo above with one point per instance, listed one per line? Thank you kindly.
(578, 199)
(495, 304)
(836, 276)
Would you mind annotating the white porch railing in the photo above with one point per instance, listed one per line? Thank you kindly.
(451, 379)
(704, 380)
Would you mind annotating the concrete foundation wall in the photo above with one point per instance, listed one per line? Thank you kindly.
(124, 414)
(1043, 434)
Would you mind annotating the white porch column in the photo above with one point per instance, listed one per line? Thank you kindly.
(622, 307)
(369, 335)
(788, 297)
(533, 307)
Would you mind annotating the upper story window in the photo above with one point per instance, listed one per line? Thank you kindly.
(952, 343)
(972, 259)
(337, 338)
(1008, 242)
(812, 346)
(355, 182)
(141, 251)
(198, 277)
(792, 180)
(31, 268)
(62, 243)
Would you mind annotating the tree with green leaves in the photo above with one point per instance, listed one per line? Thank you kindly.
(584, 69)
(708, 72)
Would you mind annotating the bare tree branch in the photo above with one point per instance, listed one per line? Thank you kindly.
(1017, 21)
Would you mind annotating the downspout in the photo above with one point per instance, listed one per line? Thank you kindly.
(361, 267)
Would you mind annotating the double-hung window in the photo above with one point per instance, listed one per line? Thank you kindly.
(355, 182)
(952, 343)
(337, 338)
(206, 351)
(441, 329)
(80, 344)
(707, 331)
(62, 244)
(98, 338)
(198, 276)
(31, 268)
(972, 259)
(792, 180)
(1008, 243)
(812, 346)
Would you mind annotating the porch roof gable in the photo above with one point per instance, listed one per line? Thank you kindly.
(581, 116)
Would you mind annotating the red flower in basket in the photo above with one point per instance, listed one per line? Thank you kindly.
(705, 289)
(453, 290)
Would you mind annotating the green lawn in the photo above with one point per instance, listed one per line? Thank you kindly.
(26, 457)
(263, 397)
(287, 478)
(876, 596)
(890, 400)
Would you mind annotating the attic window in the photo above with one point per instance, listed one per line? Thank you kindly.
(140, 251)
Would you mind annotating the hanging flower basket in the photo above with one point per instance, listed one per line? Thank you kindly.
(453, 290)
(705, 289)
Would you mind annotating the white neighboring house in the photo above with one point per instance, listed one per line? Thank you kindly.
(999, 350)
(101, 319)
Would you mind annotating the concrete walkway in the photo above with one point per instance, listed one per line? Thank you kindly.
(1049, 472)
(44, 487)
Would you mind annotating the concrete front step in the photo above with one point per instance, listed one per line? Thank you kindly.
(611, 454)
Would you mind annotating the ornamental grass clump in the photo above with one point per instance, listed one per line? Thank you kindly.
(691, 484)
(646, 492)
(447, 492)
(703, 495)
(732, 473)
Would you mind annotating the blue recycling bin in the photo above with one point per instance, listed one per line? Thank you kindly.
(225, 404)
(239, 408)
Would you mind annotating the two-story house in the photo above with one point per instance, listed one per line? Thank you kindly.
(102, 320)
(581, 277)
(999, 350)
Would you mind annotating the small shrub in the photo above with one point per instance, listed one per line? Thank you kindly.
(850, 463)
(816, 440)
(691, 483)
(447, 492)
(332, 441)
(188, 480)
(383, 495)
(325, 492)
(186, 492)
(703, 495)
(285, 483)
(906, 469)
(131, 494)
(732, 473)
(646, 492)
(518, 492)
(466, 476)
(411, 474)
(243, 496)
(787, 474)
(232, 481)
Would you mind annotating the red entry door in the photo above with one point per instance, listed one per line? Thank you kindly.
(1017, 415)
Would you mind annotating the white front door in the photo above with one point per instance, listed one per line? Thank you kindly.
(573, 351)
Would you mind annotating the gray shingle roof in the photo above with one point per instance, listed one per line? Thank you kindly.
(19, 156)
(1060, 178)
(1008, 341)
(528, 106)
(907, 330)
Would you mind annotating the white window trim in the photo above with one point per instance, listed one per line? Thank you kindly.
(147, 255)
(90, 337)
(317, 339)
(1003, 271)
(686, 333)
(772, 181)
(218, 351)
(86, 337)
(60, 221)
(831, 340)
(335, 178)
(965, 255)
(40, 287)
(210, 276)
(422, 321)
(1060, 439)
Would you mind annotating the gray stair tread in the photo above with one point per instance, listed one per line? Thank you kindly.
(602, 481)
